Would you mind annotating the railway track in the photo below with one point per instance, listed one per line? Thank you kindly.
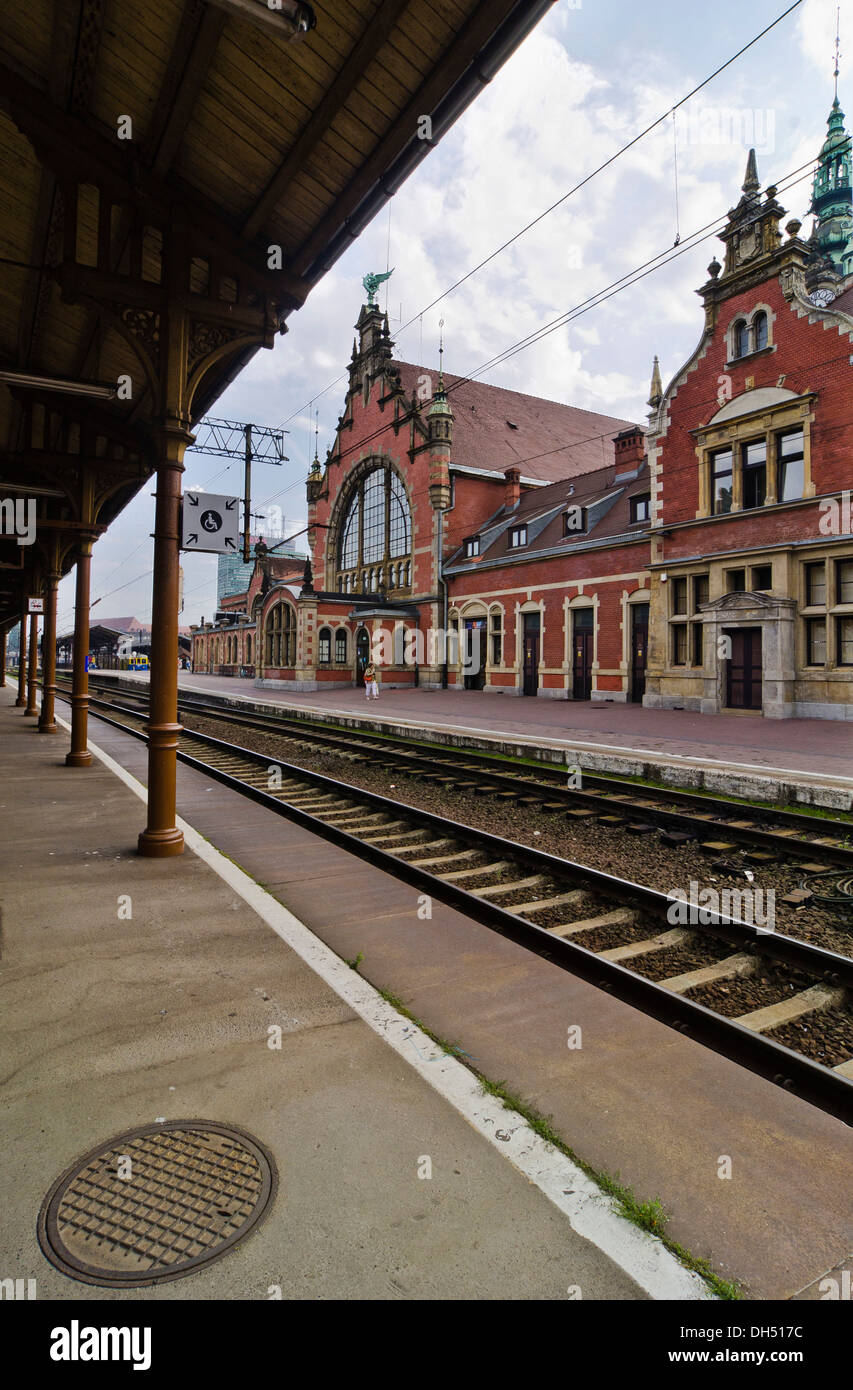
(719, 824)
(613, 933)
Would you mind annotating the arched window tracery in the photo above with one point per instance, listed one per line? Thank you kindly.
(376, 529)
(280, 634)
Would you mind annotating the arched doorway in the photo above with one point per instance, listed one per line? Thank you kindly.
(362, 654)
(530, 653)
(639, 650)
(583, 635)
(474, 655)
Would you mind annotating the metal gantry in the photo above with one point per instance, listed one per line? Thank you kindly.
(241, 439)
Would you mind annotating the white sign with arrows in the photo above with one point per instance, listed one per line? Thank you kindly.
(211, 523)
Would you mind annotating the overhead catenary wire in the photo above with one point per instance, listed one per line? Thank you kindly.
(625, 281)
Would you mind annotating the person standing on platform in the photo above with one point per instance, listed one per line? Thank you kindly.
(371, 681)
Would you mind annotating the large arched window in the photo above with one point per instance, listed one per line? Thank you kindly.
(324, 646)
(376, 529)
(281, 636)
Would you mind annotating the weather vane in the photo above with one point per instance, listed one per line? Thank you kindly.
(372, 282)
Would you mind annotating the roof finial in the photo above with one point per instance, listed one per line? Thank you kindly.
(317, 437)
(441, 355)
(656, 391)
(751, 183)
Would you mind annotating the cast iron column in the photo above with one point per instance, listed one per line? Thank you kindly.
(22, 660)
(3, 635)
(161, 836)
(32, 671)
(47, 722)
(80, 755)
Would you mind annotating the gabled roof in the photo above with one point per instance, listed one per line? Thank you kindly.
(124, 624)
(496, 429)
(608, 514)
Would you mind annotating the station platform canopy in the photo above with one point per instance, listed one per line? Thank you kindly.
(175, 178)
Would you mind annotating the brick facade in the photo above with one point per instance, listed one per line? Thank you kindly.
(587, 558)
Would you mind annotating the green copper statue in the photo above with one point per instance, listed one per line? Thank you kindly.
(372, 282)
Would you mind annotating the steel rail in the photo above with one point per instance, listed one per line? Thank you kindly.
(613, 793)
(497, 772)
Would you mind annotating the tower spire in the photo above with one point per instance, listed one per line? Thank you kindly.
(441, 356)
(832, 190)
(837, 46)
(656, 391)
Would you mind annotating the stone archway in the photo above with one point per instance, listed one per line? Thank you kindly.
(771, 617)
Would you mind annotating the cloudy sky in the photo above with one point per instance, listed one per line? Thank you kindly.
(591, 77)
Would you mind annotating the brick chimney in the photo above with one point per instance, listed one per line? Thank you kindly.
(629, 449)
(513, 488)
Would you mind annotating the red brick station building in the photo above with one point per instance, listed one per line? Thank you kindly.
(704, 562)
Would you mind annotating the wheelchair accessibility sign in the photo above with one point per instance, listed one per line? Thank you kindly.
(210, 522)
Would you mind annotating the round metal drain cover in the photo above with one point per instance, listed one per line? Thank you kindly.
(156, 1203)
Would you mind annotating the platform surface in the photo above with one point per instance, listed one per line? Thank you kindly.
(110, 1024)
(637, 1100)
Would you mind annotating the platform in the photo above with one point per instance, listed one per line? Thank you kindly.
(637, 1100)
(111, 1024)
(801, 761)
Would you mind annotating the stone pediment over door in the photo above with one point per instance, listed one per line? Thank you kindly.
(740, 604)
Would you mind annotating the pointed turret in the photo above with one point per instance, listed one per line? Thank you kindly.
(750, 183)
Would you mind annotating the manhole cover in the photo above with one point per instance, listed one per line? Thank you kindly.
(156, 1203)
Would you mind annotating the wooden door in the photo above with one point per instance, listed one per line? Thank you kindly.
(475, 653)
(582, 644)
(362, 654)
(743, 674)
(639, 649)
(530, 654)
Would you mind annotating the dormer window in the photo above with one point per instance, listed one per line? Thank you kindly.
(574, 521)
(641, 506)
(472, 547)
(517, 537)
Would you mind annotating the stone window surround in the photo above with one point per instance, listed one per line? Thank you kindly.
(830, 610)
(769, 422)
(733, 359)
(687, 619)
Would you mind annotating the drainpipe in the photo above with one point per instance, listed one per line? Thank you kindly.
(443, 582)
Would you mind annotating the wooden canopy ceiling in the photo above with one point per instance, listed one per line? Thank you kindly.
(174, 179)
